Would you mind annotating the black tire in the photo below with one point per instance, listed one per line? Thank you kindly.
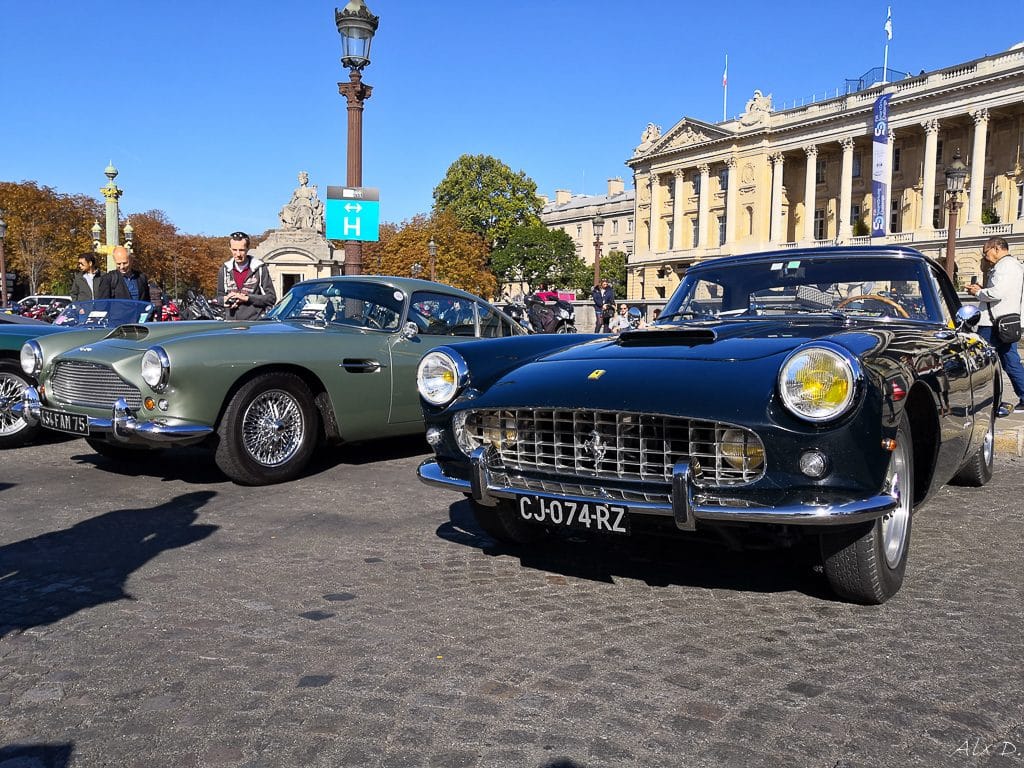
(119, 451)
(978, 469)
(14, 430)
(503, 524)
(866, 563)
(566, 328)
(268, 431)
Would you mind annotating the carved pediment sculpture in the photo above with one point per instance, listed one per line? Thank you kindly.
(687, 137)
(758, 110)
(650, 135)
(305, 211)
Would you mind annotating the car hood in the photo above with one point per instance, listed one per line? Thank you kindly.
(142, 337)
(720, 341)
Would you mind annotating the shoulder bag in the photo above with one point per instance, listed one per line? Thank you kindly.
(1006, 328)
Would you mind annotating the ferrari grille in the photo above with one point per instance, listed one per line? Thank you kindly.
(586, 446)
(91, 385)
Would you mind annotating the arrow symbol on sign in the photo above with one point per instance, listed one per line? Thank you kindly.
(353, 207)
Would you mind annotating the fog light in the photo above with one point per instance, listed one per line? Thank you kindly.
(163, 405)
(150, 403)
(434, 436)
(814, 464)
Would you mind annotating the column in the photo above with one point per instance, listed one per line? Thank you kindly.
(809, 184)
(931, 143)
(978, 166)
(846, 189)
(776, 230)
(655, 210)
(679, 179)
(888, 179)
(731, 187)
(704, 206)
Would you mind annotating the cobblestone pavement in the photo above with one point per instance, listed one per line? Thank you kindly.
(161, 616)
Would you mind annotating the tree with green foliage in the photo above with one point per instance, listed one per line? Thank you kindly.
(487, 197)
(534, 254)
(613, 267)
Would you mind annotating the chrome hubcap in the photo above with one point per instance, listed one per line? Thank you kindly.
(11, 388)
(896, 522)
(273, 428)
(987, 447)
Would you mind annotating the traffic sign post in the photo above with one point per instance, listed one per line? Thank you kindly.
(353, 213)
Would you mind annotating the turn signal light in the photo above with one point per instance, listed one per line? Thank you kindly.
(150, 403)
(889, 444)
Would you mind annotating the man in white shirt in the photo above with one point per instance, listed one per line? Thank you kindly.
(1002, 295)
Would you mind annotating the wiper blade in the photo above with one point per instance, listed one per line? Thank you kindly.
(687, 313)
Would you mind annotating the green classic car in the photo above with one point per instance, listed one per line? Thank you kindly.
(334, 361)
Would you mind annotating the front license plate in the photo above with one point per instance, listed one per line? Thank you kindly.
(61, 421)
(590, 516)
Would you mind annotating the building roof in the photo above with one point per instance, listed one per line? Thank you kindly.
(588, 201)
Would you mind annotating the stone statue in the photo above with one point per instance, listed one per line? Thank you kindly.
(305, 210)
(650, 135)
(758, 109)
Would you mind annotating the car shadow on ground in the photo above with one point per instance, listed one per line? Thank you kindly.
(37, 755)
(659, 561)
(196, 465)
(50, 577)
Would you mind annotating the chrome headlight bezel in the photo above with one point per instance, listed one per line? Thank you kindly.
(441, 374)
(155, 368)
(845, 365)
(31, 358)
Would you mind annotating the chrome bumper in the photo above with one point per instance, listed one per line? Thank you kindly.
(121, 425)
(688, 503)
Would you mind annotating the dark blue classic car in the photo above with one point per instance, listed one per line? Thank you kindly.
(823, 392)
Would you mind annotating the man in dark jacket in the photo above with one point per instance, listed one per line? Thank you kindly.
(244, 287)
(89, 283)
(125, 282)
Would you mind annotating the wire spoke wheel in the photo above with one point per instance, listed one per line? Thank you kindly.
(273, 428)
(11, 388)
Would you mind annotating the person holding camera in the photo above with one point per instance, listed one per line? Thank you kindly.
(603, 297)
(1002, 295)
(244, 287)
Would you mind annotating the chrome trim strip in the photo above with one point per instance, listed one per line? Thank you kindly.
(846, 513)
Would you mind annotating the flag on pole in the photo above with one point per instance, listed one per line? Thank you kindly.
(725, 73)
(888, 25)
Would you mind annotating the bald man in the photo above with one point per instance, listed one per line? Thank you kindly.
(124, 281)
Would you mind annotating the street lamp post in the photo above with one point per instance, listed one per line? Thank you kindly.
(598, 223)
(956, 175)
(356, 25)
(416, 269)
(3, 262)
(97, 234)
(432, 250)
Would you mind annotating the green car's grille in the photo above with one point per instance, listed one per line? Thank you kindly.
(91, 385)
(584, 446)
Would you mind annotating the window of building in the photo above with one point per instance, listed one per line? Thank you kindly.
(615, 226)
(854, 214)
(721, 230)
(750, 220)
(856, 165)
(938, 151)
(937, 207)
(695, 178)
(896, 159)
(723, 179)
(696, 231)
(1020, 200)
(579, 230)
(668, 234)
(819, 224)
(629, 225)
(894, 216)
(819, 171)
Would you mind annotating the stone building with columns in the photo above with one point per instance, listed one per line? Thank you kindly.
(776, 179)
(574, 214)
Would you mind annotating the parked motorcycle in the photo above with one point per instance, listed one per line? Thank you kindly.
(169, 310)
(516, 309)
(198, 307)
(557, 316)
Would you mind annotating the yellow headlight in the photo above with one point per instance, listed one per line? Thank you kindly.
(741, 451)
(817, 383)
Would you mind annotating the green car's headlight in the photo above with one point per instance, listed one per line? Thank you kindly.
(819, 383)
(156, 368)
(440, 376)
(31, 358)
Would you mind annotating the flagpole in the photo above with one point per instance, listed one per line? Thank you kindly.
(725, 87)
(885, 64)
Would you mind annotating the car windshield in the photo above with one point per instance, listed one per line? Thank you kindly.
(344, 302)
(104, 313)
(851, 287)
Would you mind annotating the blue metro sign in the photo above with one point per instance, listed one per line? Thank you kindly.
(353, 213)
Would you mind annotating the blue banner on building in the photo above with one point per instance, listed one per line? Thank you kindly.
(880, 167)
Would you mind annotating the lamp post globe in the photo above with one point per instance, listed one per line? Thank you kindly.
(356, 26)
(956, 176)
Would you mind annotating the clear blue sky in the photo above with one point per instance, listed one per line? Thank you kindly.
(210, 109)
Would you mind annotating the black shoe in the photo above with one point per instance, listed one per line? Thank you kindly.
(1005, 409)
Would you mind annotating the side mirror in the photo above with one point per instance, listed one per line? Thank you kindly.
(967, 317)
(410, 330)
(634, 315)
